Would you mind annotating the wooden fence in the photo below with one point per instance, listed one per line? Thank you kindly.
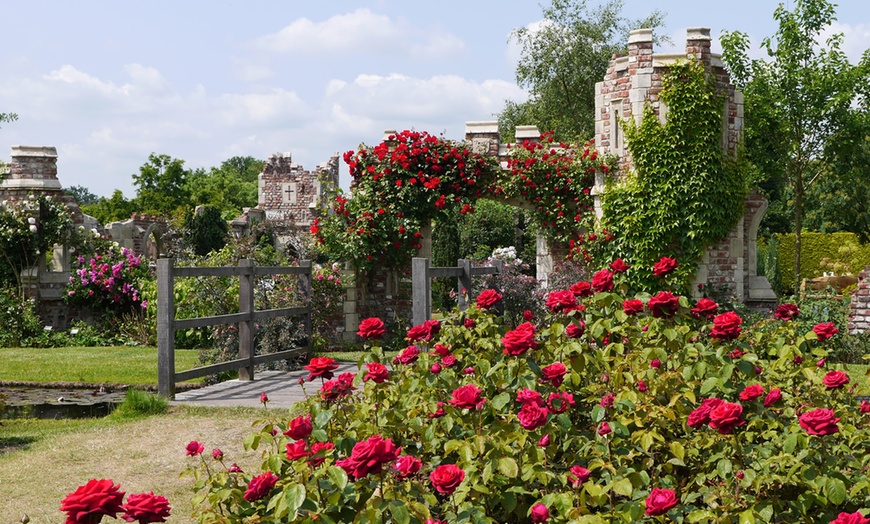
(247, 318)
(421, 279)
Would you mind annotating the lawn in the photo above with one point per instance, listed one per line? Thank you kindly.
(135, 366)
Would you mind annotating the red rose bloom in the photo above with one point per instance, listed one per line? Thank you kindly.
(786, 312)
(819, 422)
(865, 407)
(850, 518)
(619, 266)
(726, 326)
(146, 507)
(194, 448)
(655, 363)
(467, 397)
(751, 392)
(539, 513)
(529, 396)
(835, 379)
(527, 316)
(316, 448)
(825, 330)
(424, 331)
(337, 388)
(664, 266)
(560, 402)
(299, 428)
(296, 450)
(665, 304)
(90, 502)
(532, 416)
(701, 414)
(578, 475)
(562, 300)
(632, 306)
(406, 465)
(773, 397)
(604, 429)
(321, 367)
(726, 416)
(446, 478)
(519, 340)
(376, 372)
(260, 486)
(469, 323)
(602, 281)
(369, 456)
(554, 373)
(660, 501)
(705, 308)
(407, 356)
(371, 328)
(575, 330)
(582, 289)
(544, 441)
(488, 298)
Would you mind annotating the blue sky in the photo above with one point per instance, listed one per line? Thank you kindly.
(110, 82)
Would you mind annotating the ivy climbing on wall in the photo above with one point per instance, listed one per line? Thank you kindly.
(684, 194)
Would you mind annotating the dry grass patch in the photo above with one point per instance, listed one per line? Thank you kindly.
(141, 455)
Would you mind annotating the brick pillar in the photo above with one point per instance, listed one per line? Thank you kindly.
(859, 309)
(484, 137)
(698, 44)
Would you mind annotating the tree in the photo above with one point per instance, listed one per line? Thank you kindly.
(160, 185)
(230, 187)
(206, 230)
(8, 118)
(82, 195)
(111, 209)
(561, 61)
(800, 102)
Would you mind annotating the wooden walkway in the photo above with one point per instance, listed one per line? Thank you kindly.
(282, 388)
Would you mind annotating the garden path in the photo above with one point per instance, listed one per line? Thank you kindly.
(282, 388)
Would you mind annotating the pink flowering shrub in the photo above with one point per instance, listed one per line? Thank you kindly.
(655, 415)
(109, 282)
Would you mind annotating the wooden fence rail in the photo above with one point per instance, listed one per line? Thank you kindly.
(246, 318)
(421, 280)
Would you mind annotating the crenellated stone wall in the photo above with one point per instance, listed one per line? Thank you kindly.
(288, 192)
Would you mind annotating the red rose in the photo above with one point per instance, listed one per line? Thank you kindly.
(582, 289)
(488, 298)
(371, 328)
(316, 448)
(424, 331)
(660, 501)
(865, 407)
(376, 372)
(90, 502)
(519, 340)
(665, 304)
(529, 396)
(194, 448)
(664, 266)
(407, 356)
(468, 397)
(786, 312)
(619, 266)
(850, 518)
(574, 330)
(527, 316)
(532, 416)
(469, 323)
(321, 367)
(604, 429)
(701, 414)
(369, 456)
(260, 486)
(544, 441)
(641, 386)
(705, 308)
(632, 306)
(560, 402)
(264, 398)
(825, 330)
(726, 326)
(406, 465)
(554, 373)
(773, 397)
(578, 475)
(602, 281)
(655, 363)
(296, 450)
(299, 428)
(819, 422)
(446, 478)
(726, 416)
(751, 392)
(835, 379)
(337, 388)
(539, 513)
(560, 301)
(607, 400)
(146, 507)
(217, 454)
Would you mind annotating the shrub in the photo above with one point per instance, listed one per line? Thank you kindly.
(814, 248)
(605, 413)
(109, 282)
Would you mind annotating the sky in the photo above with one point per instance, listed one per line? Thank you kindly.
(109, 82)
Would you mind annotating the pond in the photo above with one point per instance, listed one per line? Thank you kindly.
(38, 402)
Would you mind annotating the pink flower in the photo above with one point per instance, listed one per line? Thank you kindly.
(850, 518)
(574, 330)
(604, 429)
(296, 450)
(773, 397)
(819, 422)
(660, 501)
(726, 416)
(194, 448)
(558, 402)
(544, 441)
(529, 396)
(539, 513)
(578, 475)
(264, 398)
(655, 363)
(641, 386)
(607, 400)
(835, 380)
(217, 454)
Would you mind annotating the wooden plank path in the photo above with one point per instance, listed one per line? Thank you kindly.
(282, 388)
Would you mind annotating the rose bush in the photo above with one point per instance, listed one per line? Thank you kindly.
(504, 432)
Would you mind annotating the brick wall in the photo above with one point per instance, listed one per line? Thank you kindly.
(859, 309)
(288, 192)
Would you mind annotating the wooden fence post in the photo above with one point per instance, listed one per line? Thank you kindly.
(305, 287)
(165, 328)
(464, 282)
(246, 327)
(421, 292)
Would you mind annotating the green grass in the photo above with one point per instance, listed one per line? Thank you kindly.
(134, 366)
(350, 356)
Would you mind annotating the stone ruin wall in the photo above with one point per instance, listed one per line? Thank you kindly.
(859, 307)
(288, 192)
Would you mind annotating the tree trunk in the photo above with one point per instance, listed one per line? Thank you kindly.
(798, 225)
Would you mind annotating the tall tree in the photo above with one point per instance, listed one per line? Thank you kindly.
(799, 101)
(562, 58)
(160, 185)
(82, 195)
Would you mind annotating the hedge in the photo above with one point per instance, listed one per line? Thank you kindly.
(815, 247)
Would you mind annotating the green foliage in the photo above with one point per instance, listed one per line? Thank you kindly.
(229, 187)
(493, 225)
(112, 209)
(684, 195)
(562, 59)
(643, 376)
(206, 230)
(768, 262)
(445, 252)
(161, 185)
(19, 321)
(815, 247)
(82, 195)
(140, 404)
